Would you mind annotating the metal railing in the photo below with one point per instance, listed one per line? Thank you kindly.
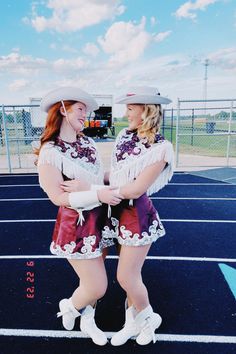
(198, 129)
(205, 130)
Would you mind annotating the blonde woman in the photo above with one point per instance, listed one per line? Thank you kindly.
(142, 163)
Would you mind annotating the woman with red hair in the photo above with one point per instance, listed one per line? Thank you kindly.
(66, 154)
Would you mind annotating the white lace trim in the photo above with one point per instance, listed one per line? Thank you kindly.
(108, 233)
(72, 168)
(86, 250)
(155, 231)
(127, 170)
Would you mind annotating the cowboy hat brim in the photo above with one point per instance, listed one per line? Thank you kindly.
(68, 93)
(143, 99)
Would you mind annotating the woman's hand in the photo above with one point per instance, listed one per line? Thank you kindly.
(109, 196)
(75, 185)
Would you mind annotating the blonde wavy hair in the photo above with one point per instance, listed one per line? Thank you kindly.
(151, 122)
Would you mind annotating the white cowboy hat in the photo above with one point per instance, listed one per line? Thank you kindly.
(143, 95)
(68, 93)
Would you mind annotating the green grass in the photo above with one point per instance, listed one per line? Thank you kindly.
(208, 145)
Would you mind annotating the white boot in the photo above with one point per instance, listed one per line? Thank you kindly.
(129, 330)
(68, 313)
(89, 327)
(148, 322)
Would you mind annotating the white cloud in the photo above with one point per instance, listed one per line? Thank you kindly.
(73, 15)
(91, 49)
(176, 75)
(53, 46)
(224, 59)
(69, 66)
(161, 36)
(16, 63)
(18, 84)
(153, 21)
(125, 41)
(69, 49)
(16, 49)
(189, 9)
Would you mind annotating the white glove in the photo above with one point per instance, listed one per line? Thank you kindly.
(97, 187)
(84, 200)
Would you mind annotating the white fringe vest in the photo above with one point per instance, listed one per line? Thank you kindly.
(132, 154)
(85, 165)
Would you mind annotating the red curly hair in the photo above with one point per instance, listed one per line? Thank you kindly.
(53, 123)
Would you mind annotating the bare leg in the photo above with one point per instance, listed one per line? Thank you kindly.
(129, 275)
(93, 281)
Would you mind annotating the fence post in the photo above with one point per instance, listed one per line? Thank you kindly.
(229, 134)
(192, 126)
(172, 125)
(6, 138)
(16, 136)
(177, 135)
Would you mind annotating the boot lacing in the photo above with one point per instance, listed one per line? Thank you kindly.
(62, 313)
(68, 310)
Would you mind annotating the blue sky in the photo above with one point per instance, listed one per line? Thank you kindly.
(106, 46)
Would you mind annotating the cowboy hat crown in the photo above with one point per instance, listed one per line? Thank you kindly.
(143, 95)
(68, 93)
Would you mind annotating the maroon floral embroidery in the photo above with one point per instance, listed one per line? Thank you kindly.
(159, 138)
(130, 145)
(78, 149)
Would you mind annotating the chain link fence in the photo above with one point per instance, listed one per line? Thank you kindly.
(202, 132)
(19, 126)
(206, 133)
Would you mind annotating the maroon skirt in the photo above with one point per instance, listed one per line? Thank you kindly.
(137, 224)
(71, 239)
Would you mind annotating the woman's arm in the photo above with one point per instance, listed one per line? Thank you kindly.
(51, 181)
(145, 179)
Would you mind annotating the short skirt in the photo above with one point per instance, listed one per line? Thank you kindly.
(134, 223)
(75, 240)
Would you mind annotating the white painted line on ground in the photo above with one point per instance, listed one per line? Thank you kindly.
(169, 184)
(190, 198)
(12, 175)
(229, 178)
(18, 185)
(203, 221)
(152, 198)
(25, 220)
(181, 173)
(200, 184)
(22, 199)
(164, 220)
(151, 258)
(36, 174)
(79, 334)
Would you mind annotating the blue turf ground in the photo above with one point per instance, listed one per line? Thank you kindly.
(188, 290)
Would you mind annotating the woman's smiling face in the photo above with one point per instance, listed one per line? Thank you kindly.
(134, 115)
(76, 115)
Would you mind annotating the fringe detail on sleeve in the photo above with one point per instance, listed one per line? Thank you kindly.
(72, 169)
(130, 170)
